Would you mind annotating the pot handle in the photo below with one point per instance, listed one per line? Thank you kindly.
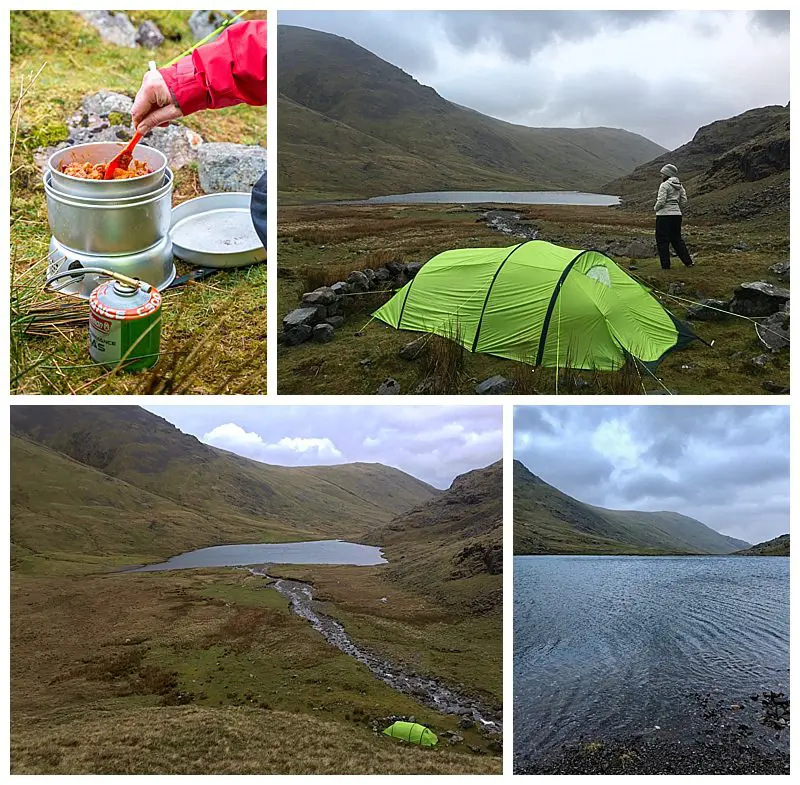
(135, 282)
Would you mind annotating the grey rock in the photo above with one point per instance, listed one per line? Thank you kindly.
(389, 387)
(149, 36)
(411, 350)
(100, 132)
(340, 288)
(308, 316)
(335, 308)
(741, 246)
(103, 102)
(773, 332)
(335, 321)
(395, 268)
(178, 143)
(324, 295)
(358, 282)
(466, 723)
(369, 273)
(494, 385)
(322, 333)
(400, 280)
(412, 268)
(760, 361)
(780, 270)
(758, 299)
(675, 288)
(224, 166)
(382, 275)
(114, 27)
(203, 23)
(454, 738)
(699, 311)
(637, 249)
(296, 335)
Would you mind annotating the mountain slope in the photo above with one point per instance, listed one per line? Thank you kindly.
(352, 124)
(86, 462)
(738, 166)
(452, 546)
(549, 521)
(776, 547)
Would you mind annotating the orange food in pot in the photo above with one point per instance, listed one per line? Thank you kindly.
(88, 171)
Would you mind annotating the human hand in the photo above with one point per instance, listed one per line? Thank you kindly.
(154, 104)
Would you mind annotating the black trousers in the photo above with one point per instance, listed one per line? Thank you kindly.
(258, 208)
(668, 232)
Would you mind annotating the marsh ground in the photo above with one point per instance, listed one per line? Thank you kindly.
(321, 244)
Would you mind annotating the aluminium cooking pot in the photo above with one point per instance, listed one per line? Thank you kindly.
(101, 153)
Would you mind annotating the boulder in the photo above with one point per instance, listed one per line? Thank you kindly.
(758, 299)
(203, 23)
(296, 335)
(103, 103)
(773, 332)
(335, 321)
(224, 166)
(114, 27)
(781, 270)
(358, 282)
(389, 387)
(454, 738)
(177, 142)
(322, 333)
(494, 385)
(369, 273)
(708, 310)
(382, 275)
(100, 130)
(324, 295)
(466, 723)
(309, 316)
(395, 268)
(412, 268)
(340, 288)
(149, 36)
(637, 249)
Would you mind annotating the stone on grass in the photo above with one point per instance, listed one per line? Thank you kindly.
(389, 387)
(203, 23)
(323, 295)
(494, 385)
(149, 36)
(358, 282)
(297, 334)
(104, 102)
(758, 298)
(335, 321)
(773, 332)
(340, 288)
(322, 333)
(114, 27)
(780, 270)
(411, 350)
(309, 316)
(382, 275)
(708, 310)
(177, 142)
(224, 166)
(412, 268)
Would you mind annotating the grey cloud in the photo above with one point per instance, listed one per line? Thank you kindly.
(727, 466)
(772, 21)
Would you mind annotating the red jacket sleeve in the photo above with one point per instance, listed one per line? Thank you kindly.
(230, 70)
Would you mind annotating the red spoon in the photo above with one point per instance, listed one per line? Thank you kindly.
(123, 157)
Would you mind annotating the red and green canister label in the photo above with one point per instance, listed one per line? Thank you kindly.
(124, 323)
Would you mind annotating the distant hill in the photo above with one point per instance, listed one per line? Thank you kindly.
(737, 167)
(351, 124)
(452, 545)
(100, 480)
(777, 547)
(547, 520)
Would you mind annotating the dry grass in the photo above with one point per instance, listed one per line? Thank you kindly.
(233, 740)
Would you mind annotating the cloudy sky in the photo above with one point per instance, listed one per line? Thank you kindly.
(727, 466)
(433, 443)
(658, 73)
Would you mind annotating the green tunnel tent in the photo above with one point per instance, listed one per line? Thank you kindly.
(540, 304)
(412, 732)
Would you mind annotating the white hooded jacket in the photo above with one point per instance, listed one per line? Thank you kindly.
(671, 197)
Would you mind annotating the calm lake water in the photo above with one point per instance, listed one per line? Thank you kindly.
(316, 552)
(612, 646)
(499, 197)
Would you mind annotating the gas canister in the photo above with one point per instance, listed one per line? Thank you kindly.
(125, 324)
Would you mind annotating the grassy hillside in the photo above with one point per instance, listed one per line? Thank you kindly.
(735, 168)
(776, 547)
(549, 521)
(178, 492)
(351, 124)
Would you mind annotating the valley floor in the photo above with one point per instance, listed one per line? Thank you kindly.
(318, 245)
(206, 671)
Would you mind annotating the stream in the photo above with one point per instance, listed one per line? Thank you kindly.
(426, 690)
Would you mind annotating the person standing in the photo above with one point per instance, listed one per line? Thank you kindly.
(670, 202)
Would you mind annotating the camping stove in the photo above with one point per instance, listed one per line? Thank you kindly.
(122, 226)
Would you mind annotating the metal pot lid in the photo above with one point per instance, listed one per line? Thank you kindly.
(216, 231)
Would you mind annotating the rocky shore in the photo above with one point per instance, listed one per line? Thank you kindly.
(746, 737)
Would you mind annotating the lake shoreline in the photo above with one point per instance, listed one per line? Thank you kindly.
(722, 737)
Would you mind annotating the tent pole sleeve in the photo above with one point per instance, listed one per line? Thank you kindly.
(551, 305)
(405, 299)
(489, 292)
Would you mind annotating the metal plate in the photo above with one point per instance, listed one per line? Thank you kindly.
(216, 231)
